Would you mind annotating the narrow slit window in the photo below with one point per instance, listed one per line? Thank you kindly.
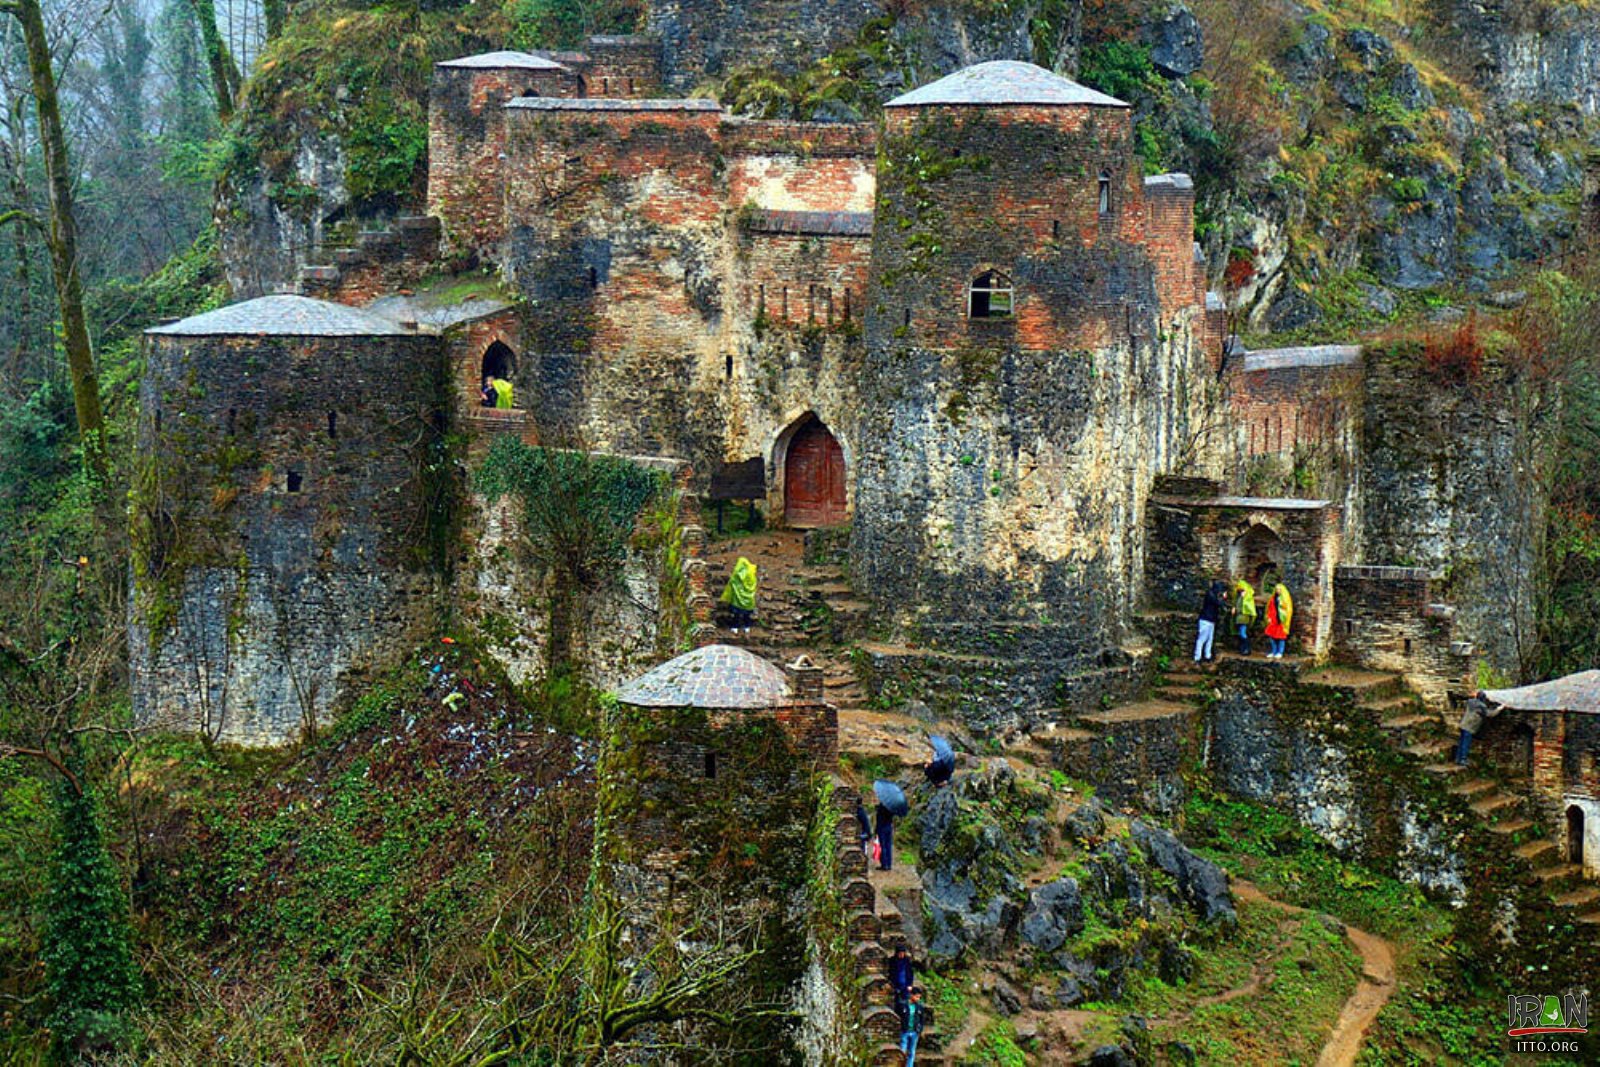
(811, 304)
(908, 317)
(990, 296)
(711, 764)
(827, 296)
(761, 300)
(158, 422)
(1105, 192)
(1055, 229)
(333, 425)
(294, 481)
(847, 304)
(233, 418)
(594, 278)
(786, 303)
(727, 367)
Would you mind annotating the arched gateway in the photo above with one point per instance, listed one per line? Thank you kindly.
(813, 484)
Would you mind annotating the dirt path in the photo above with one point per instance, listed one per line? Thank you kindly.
(1372, 993)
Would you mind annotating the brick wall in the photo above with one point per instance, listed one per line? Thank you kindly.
(1389, 619)
(622, 66)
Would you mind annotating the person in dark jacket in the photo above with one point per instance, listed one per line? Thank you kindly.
(863, 828)
(916, 1019)
(1477, 709)
(885, 827)
(902, 976)
(1210, 614)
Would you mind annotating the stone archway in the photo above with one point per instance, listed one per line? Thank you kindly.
(813, 471)
(1256, 554)
(498, 362)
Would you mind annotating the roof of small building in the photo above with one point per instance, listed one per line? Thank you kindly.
(609, 103)
(1576, 692)
(817, 223)
(1302, 356)
(716, 676)
(1171, 180)
(1246, 503)
(283, 315)
(1004, 81)
(504, 61)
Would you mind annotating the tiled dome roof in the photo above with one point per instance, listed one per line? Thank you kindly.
(290, 316)
(716, 676)
(1004, 81)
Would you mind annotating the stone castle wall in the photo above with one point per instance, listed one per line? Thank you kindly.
(283, 523)
(1388, 619)
(1449, 482)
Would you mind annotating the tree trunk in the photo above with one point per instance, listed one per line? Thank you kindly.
(62, 238)
(16, 182)
(224, 72)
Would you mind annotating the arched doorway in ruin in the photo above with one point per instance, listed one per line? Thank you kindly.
(1575, 835)
(498, 362)
(1256, 554)
(813, 475)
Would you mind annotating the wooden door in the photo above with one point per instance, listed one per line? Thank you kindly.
(813, 492)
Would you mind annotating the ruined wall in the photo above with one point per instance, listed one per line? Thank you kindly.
(615, 632)
(1005, 461)
(1451, 482)
(703, 39)
(1295, 425)
(622, 66)
(1388, 619)
(285, 526)
(466, 142)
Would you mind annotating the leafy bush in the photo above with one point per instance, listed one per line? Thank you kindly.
(385, 149)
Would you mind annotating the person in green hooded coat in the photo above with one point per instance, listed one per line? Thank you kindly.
(1244, 612)
(740, 595)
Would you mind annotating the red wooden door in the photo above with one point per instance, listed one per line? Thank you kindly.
(813, 492)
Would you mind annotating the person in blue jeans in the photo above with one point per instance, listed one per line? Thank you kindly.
(916, 1019)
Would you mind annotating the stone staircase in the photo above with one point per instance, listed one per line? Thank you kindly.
(1426, 735)
(376, 262)
(874, 927)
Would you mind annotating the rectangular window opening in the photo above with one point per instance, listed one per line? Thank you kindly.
(711, 764)
(293, 481)
(727, 367)
(333, 425)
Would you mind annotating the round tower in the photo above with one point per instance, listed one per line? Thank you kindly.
(708, 788)
(285, 513)
(1018, 391)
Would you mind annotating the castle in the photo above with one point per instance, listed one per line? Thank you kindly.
(975, 333)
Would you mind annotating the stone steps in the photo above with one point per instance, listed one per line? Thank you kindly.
(1397, 705)
(1510, 826)
(1561, 872)
(1365, 686)
(1535, 851)
(1579, 898)
(1473, 788)
(1495, 802)
(1591, 918)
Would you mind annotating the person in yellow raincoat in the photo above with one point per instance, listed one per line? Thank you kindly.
(502, 393)
(740, 595)
(1244, 613)
(1280, 610)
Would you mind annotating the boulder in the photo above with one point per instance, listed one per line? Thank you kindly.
(1307, 60)
(1408, 89)
(1378, 300)
(957, 921)
(1177, 47)
(935, 821)
(1111, 1056)
(1054, 913)
(1202, 883)
(1372, 50)
(1007, 1001)
(1087, 823)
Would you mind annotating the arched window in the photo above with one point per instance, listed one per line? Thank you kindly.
(1105, 192)
(990, 296)
(498, 361)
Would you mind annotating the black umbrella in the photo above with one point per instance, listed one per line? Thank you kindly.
(892, 797)
(943, 754)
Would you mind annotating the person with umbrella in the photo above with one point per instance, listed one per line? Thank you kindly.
(943, 765)
(891, 804)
